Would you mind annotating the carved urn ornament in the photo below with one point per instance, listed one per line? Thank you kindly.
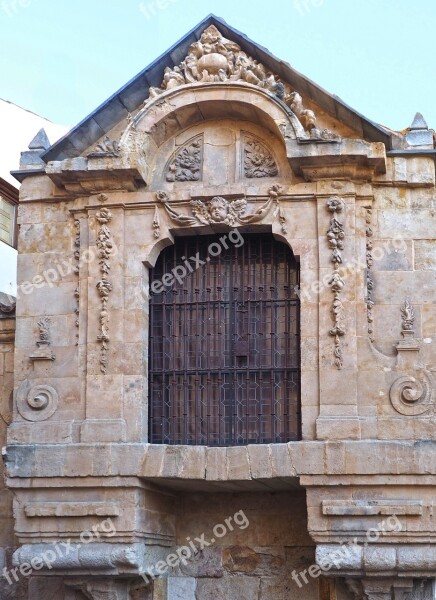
(215, 59)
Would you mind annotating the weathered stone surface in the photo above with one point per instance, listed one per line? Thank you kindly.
(224, 145)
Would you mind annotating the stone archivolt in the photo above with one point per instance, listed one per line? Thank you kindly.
(215, 59)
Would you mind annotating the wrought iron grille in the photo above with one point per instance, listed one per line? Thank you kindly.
(224, 344)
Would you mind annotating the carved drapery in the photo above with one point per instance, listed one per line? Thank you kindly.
(335, 238)
(104, 286)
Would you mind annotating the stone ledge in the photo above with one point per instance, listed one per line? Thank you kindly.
(199, 463)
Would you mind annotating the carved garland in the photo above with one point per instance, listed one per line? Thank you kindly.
(335, 238)
(77, 272)
(219, 210)
(104, 286)
(369, 278)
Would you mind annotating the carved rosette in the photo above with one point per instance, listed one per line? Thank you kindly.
(258, 160)
(186, 164)
(335, 238)
(104, 286)
(369, 278)
(216, 59)
(221, 211)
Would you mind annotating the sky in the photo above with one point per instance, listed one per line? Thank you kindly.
(62, 58)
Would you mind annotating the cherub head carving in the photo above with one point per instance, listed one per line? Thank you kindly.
(218, 209)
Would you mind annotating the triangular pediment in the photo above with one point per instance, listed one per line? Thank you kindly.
(214, 52)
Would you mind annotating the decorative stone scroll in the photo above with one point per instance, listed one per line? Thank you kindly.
(369, 278)
(106, 149)
(335, 238)
(219, 210)
(215, 59)
(258, 159)
(104, 286)
(187, 162)
(412, 395)
(38, 402)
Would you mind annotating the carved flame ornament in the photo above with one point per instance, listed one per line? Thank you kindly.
(104, 286)
(335, 238)
(219, 210)
(215, 59)
(408, 318)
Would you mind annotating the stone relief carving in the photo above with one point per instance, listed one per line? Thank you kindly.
(308, 118)
(156, 223)
(44, 332)
(104, 286)
(187, 163)
(77, 272)
(106, 149)
(258, 160)
(37, 402)
(219, 210)
(335, 238)
(215, 59)
(43, 341)
(412, 395)
(369, 278)
(408, 318)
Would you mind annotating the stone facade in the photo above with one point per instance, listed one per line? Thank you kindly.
(216, 135)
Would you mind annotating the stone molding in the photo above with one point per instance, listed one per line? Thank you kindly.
(412, 560)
